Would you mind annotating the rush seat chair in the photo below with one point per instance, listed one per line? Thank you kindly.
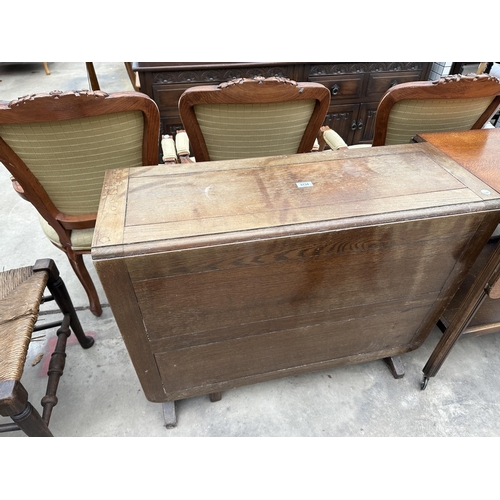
(57, 147)
(451, 103)
(251, 117)
(21, 293)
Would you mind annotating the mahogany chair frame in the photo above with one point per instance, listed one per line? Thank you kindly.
(257, 90)
(59, 106)
(450, 87)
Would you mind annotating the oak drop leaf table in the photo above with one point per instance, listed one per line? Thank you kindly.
(222, 274)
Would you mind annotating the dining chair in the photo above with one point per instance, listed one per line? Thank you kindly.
(94, 80)
(493, 69)
(21, 294)
(452, 103)
(251, 117)
(57, 147)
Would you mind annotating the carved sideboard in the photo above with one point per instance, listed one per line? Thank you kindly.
(356, 88)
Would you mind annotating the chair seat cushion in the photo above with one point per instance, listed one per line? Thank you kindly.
(81, 239)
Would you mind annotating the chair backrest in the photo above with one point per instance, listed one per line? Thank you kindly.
(58, 146)
(451, 103)
(246, 118)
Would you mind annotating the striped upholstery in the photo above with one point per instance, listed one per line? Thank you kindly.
(410, 117)
(69, 162)
(81, 239)
(234, 131)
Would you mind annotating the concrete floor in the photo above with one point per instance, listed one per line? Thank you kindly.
(100, 395)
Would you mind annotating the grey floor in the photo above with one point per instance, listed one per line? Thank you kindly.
(100, 395)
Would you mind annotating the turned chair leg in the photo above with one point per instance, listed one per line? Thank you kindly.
(14, 404)
(70, 322)
(83, 275)
(60, 293)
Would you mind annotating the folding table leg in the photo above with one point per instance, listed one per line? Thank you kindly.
(169, 414)
(215, 396)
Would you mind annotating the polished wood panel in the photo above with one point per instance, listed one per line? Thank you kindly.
(476, 150)
(474, 309)
(223, 274)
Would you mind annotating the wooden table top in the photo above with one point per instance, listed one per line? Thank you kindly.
(476, 150)
(229, 200)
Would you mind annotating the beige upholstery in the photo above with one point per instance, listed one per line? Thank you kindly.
(168, 148)
(81, 239)
(68, 160)
(251, 117)
(451, 103)
(410, 117)
(182, 143)
(268, 129)
(332, 139)
(57, 147)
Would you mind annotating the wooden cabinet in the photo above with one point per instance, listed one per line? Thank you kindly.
(356, 88)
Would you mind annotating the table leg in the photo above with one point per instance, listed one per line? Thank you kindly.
(215, 396)
(395, 366)
(169, 414)
(471, 303)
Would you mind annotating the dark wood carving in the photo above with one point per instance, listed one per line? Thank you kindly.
(56, 94)
(472, 77)
(202, 76)
(346, 68)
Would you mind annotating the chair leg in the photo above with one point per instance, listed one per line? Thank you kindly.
(14, 404)
(92, 76)
(83, 275)
(56, 369)
(58, 289)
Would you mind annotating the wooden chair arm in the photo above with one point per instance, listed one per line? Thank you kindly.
(182, 146)
(330, 138)
(18, 188)
(168, 149)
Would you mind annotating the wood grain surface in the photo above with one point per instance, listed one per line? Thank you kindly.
(233, 274)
